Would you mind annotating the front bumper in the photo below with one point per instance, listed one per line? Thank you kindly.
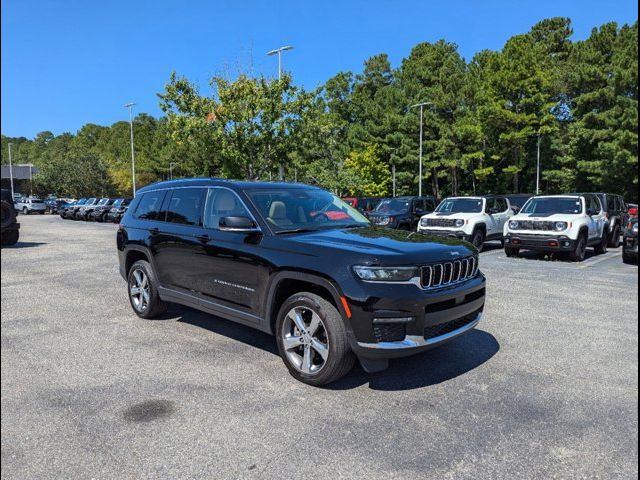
(543, 242)
(393, 326)
(444, 233)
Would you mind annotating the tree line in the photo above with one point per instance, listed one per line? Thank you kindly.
(573, 104)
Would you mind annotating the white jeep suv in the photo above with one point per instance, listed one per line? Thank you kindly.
(558, 223)
(475, 219)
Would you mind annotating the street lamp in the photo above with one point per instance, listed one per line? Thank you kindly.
(279, 52)
(171, 164)
(133, 155)
(421, 105)
(11, 170)
(538, 168)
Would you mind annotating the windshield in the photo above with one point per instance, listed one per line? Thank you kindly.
(35, 200)
(393, 205)
(118, 202)
(287, 209)
(460, 205)
(553, 205)
(103, 201)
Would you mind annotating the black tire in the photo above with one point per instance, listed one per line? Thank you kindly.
(10, 237)
(477, 238)
(25, 211)
(42, 212)
(614, 239)
(579, 250)
(340, 359)
(8, 214)
(511, 251)
(601, 247)
(153, 306)
(628, 259)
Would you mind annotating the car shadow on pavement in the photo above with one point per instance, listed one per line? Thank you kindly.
(24, 245)
(435, 366)
(429, 368)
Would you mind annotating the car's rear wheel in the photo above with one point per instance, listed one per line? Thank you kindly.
(10, 237)
(478, 239)
(579, 250)
(628, 258)
(312, 339)
(143, 291)
(614, 240)
(511, 252)
(604, 242)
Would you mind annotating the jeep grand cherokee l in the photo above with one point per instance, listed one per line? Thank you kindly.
(297, 262)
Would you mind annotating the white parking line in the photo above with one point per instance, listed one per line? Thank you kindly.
(595, 260)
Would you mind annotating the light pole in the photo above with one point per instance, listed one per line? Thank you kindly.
(31, 179)
(421, 105)
(11, 171)
(133, 155)
(171, 164)
(279, 52)
(538, 168)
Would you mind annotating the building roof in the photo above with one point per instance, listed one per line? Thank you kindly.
(19, 172)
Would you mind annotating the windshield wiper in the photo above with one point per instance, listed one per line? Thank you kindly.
(296, 230)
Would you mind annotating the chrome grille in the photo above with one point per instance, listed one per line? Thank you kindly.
(448, 273)
(441, 222)
(535, 225)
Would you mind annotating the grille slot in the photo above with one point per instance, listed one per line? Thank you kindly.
(536, 225)
(448, 327)
(440, 222)
(389, 332)
(448, 273)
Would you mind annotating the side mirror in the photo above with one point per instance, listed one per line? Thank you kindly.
(237, 224)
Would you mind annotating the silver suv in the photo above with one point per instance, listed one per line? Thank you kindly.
(31, 205)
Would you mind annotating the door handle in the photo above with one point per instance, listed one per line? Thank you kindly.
(203, 238)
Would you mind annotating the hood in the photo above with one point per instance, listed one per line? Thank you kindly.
(462, 215)
(545, 217)
(387, 213)
(381, 246)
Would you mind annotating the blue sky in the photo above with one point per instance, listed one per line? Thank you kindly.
(67, 63)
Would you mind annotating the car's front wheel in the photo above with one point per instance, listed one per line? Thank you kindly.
(579, 252)
(511, 252)
(25, 211)
(312, 339)
(478, 239)
(143, 291)
(614, 240)
(604, 242)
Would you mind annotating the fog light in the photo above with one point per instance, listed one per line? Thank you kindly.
(566, 244)
(515, 241)
(507, 240)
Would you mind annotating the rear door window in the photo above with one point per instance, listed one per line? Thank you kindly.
(185, 206)
(149, 206)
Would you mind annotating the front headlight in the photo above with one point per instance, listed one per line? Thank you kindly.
(385, 274)
(424, 222)
(560, 226)
(459, 223)
(384, 221)
(513, 224)
(635, 227)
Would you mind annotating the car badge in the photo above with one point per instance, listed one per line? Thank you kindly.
(455, 254)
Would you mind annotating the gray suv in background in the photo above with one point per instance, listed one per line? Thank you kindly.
(31, 205)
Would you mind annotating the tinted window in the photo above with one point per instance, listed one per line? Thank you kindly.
(461, 205)
(149, 206)
(429, 205)
(538, 205)
(501, 204)
(393, 205)
(185, 206)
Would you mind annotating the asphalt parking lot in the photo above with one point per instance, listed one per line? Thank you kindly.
(545, 387)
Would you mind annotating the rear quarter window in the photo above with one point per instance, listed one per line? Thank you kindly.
(149, 206)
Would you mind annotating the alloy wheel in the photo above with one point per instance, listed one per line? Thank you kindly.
(305, 340)
(139, 290)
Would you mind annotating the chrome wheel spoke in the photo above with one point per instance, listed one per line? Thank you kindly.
(321, 348)
(137, 275)
(315, 323)
(292, 342)
(307, 359)
(135, 290)
(296, 316)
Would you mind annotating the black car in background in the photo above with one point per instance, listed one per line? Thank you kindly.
(55, 206)
(97, 213)
(117, 210)
(517, 200)
(82, 212)
(70, 210)
(630, 242)
(402, 213)
(616, 211)
(295, 261)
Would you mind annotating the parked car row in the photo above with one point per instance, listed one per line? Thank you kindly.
(96, 209)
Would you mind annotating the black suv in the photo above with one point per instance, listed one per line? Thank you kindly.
(617, 212)
(402, 213)
(297, 262)
(117, 210)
